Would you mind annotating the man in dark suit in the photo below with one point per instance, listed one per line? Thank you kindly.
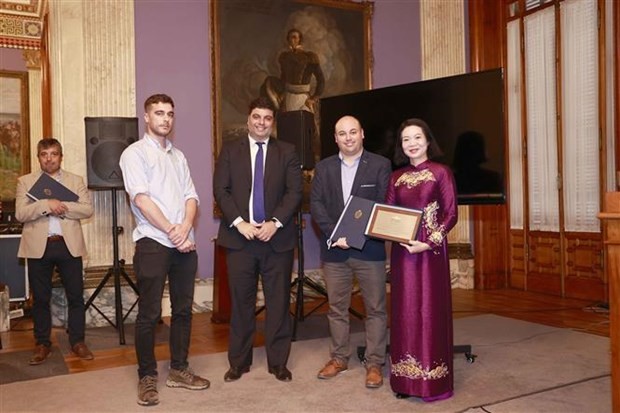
(258, 186)
(353, 171)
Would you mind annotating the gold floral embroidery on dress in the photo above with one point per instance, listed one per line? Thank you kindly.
(411, 368)
(436, 232)
(412, 179)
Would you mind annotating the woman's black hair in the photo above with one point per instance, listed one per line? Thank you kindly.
(433, 151)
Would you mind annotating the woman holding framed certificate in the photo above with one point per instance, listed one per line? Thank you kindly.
(421, 324)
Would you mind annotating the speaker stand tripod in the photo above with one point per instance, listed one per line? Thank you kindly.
(117, 271)
(302, 281)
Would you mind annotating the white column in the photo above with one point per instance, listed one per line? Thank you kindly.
(443, 38)
(443, 54)
(35, 106)
(92, 61)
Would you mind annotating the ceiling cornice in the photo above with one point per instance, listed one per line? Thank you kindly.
(21, 23)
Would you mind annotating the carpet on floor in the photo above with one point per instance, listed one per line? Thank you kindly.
(517, 362)
(316, 326)
(14, 366)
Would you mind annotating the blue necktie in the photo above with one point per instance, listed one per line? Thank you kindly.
(258, 201)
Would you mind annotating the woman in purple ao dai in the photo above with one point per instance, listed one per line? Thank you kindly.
(421, 320)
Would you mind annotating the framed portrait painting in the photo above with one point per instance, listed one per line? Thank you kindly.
(14, 135)
(252, 55)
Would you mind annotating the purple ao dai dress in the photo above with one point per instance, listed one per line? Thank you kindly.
(421, 322)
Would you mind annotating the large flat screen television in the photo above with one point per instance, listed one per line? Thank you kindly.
(464, 112)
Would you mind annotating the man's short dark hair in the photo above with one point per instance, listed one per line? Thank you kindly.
(262, 103)
(46, 143)
(294, 30)
(157, 98)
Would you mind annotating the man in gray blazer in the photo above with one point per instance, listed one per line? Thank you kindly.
(353, 171)
(258, 231)
(52, 238)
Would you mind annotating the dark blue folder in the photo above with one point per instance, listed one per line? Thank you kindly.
(352, 222)
(47, 187)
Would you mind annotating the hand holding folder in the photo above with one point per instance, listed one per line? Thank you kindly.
(362, 219)
(352, 222)
(47, 187)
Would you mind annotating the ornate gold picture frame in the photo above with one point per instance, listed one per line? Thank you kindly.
(14, 131)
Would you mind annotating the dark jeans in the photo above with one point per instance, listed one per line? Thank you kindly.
(152, 263)
(40, 271)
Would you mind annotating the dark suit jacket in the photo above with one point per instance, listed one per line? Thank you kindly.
(326, 202)
(232, 186)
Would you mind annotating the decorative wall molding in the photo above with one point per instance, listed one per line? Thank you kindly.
(32, 59)
(21, 23)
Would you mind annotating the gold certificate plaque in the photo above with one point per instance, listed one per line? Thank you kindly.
(393, 223)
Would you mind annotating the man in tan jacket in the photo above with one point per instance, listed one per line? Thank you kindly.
(52, 238)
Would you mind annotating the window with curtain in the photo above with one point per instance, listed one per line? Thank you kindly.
(541, 111)
(515, 148)
(580, 119)
(575, 80)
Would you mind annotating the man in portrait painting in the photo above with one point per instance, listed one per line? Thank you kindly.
(293, 89)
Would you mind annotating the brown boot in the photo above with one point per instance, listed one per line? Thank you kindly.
(40, 354)
(82, 351)
(374, 377)
(332, 369)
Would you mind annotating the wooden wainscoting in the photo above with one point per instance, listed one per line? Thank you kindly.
(490, 246)
(575, 273)
(544, 263)
(518, 267)
(584, 277)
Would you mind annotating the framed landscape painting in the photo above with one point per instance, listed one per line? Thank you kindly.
(14, 135)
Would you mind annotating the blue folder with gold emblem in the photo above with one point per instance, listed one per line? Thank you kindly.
(47, 187)
(352, 222)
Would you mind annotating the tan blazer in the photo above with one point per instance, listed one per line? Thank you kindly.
(33, 214)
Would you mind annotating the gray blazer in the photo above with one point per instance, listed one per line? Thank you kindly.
(326, 202)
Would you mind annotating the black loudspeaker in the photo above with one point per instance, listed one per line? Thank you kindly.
(106, 139)
(297, 127)
(13, 270)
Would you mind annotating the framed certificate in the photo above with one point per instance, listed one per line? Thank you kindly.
(393, 223)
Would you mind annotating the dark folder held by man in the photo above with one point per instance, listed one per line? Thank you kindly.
(47, 187)
(352, 222)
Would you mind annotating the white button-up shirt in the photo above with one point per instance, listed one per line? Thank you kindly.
(163, 175)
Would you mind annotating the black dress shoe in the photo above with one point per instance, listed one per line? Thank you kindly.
(235, 373)
(281, 373)
(402, 396)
